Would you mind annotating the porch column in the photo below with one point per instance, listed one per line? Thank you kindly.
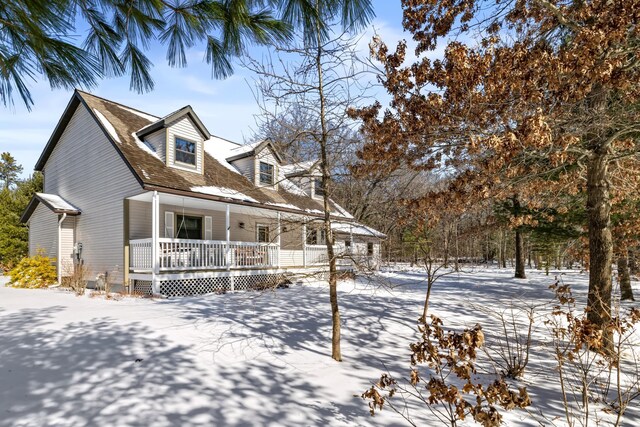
(350, 239)
(155, 226)
(304, 242)
(278, 228)
(227, 254)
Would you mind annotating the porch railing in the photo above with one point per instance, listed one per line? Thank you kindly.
(185, 254)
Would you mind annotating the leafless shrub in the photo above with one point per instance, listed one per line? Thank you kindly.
(450, 387)
(75, 278)
(510, 351)
(595, 378)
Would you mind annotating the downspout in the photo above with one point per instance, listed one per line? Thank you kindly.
(59, 260)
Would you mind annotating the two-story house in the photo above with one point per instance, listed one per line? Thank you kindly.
(161, 206)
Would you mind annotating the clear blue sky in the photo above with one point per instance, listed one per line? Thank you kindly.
(227, 107)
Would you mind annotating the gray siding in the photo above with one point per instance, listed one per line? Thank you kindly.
(185, 129)
(158, 140)
(246, 167)
(85, 169)
(43, 232)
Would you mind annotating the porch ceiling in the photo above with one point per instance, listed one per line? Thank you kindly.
(196, 203)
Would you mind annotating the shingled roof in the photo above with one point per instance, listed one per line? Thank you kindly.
(121, 124)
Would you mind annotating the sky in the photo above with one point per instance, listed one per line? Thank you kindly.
(227, 107)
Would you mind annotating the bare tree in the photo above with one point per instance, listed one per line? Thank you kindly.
(316, 81)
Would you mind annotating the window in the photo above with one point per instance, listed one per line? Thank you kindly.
(185, 151)
(347, 243)
(370, 249)
(188, 227)
(318, 190)
(312, 237)
(266, 173)
(263, 233)
(316, 237)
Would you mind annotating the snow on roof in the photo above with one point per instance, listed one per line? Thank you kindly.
(356, 228)
(223, 192)
(244, 148)
(140, 113)
(108, 126)
(146, 147)
(220, 149)
(56, 203)
(297, 167)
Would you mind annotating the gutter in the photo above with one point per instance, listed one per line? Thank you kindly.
(59, 260)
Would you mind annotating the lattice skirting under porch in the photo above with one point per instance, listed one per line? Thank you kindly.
(206, 285)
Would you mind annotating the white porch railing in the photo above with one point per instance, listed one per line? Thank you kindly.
(316, 254)
(184, 254)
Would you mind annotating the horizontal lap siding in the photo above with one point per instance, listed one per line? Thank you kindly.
(43, 232)
(185, 129)
(85, 169)
(246, 167)
(158, 141)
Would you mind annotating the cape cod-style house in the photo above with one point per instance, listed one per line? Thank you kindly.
(161, 206)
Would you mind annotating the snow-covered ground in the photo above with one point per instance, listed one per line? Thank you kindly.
(242, 359)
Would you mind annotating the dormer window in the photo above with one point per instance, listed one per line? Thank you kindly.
(266, 174)
(185, 151)
(317, 187)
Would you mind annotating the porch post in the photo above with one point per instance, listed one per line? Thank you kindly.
(304, 242)
(350, 239)
(155, 226)
(279, 230)
(227, 255)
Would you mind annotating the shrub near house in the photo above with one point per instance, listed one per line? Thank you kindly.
(34, 272)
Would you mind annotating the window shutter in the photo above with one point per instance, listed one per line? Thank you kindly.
(208, 228)
(168, 225)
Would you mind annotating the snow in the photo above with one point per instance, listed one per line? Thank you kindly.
(291, 187)
(145, 147)
(220, 149)
(223, 192)
(357, 229)
(57, 202)
(108, 126)
(140, 114)
(247, 358)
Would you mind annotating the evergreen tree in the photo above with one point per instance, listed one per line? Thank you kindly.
(9, 169)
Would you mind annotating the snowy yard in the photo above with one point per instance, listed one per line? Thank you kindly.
(241, 359)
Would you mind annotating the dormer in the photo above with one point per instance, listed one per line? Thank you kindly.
(178, 140)
(307, 176)
(259, 162)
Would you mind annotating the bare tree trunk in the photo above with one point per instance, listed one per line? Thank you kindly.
(520, 261)
(336, 354)
(633, 262)
(504, 248)
(446, 244)
(624, 278)
(600, 244)
(457, 248)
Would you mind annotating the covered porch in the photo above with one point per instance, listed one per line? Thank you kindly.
(171, 237)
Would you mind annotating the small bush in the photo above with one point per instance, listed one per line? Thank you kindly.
(34, 272)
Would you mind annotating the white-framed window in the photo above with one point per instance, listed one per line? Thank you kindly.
(266, 174)
(317, 187)
(316, 236)
(188, 227)
(185, 151)
(262, 233)
(369, 248)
